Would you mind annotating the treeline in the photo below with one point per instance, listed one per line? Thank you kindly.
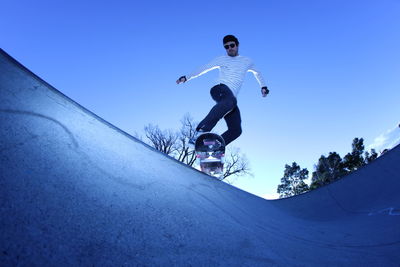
(328, 169)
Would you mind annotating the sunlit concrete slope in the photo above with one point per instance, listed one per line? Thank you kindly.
(77, 191)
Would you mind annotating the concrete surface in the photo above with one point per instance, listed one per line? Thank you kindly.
(75, 190)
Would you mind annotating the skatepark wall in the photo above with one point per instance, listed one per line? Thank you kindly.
(77, 191)
(364, 191)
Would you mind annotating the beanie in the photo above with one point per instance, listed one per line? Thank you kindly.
(230, 38)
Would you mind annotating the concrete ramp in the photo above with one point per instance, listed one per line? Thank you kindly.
(75, 190)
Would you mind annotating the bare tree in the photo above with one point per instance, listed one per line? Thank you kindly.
(175, 144)
(236, 164)
(185, 153)
(164, 141)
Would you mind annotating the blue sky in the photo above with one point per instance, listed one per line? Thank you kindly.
(332, 68)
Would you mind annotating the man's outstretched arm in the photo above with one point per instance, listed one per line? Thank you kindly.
(214, 64)
(260, 80)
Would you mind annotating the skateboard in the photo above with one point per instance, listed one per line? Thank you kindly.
(210, 153)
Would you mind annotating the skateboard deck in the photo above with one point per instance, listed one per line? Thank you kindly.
(210, 152)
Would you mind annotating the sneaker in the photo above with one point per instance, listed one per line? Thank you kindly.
(192, 141)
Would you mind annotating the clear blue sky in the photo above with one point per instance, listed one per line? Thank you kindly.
(332, 67)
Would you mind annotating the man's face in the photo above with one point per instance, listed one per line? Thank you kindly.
(231, 48)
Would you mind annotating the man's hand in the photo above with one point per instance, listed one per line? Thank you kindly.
(182, 79)
(264, 91)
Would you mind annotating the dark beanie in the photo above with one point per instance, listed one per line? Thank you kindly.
(230, 38)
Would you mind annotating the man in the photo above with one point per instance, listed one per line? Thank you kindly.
(233, 69)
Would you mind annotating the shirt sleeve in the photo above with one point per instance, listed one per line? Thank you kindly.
(257, 74)
(214, 64)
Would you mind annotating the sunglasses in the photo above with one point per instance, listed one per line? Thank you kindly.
(231, 46)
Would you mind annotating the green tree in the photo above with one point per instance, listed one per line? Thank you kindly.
(327, 170)
(292, 182)
(371, 156)
(355, 159)
(333, 167)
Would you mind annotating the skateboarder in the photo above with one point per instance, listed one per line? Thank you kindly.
(233, 69)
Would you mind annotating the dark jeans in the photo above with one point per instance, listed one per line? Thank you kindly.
(226, 108)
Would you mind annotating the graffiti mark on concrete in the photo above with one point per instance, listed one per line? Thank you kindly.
(388, 211)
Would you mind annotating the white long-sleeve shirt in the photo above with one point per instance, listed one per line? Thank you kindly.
(232, 71)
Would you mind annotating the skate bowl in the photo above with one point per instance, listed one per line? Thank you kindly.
(76, 190)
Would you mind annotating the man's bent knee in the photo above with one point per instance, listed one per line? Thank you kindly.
(238, 132)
